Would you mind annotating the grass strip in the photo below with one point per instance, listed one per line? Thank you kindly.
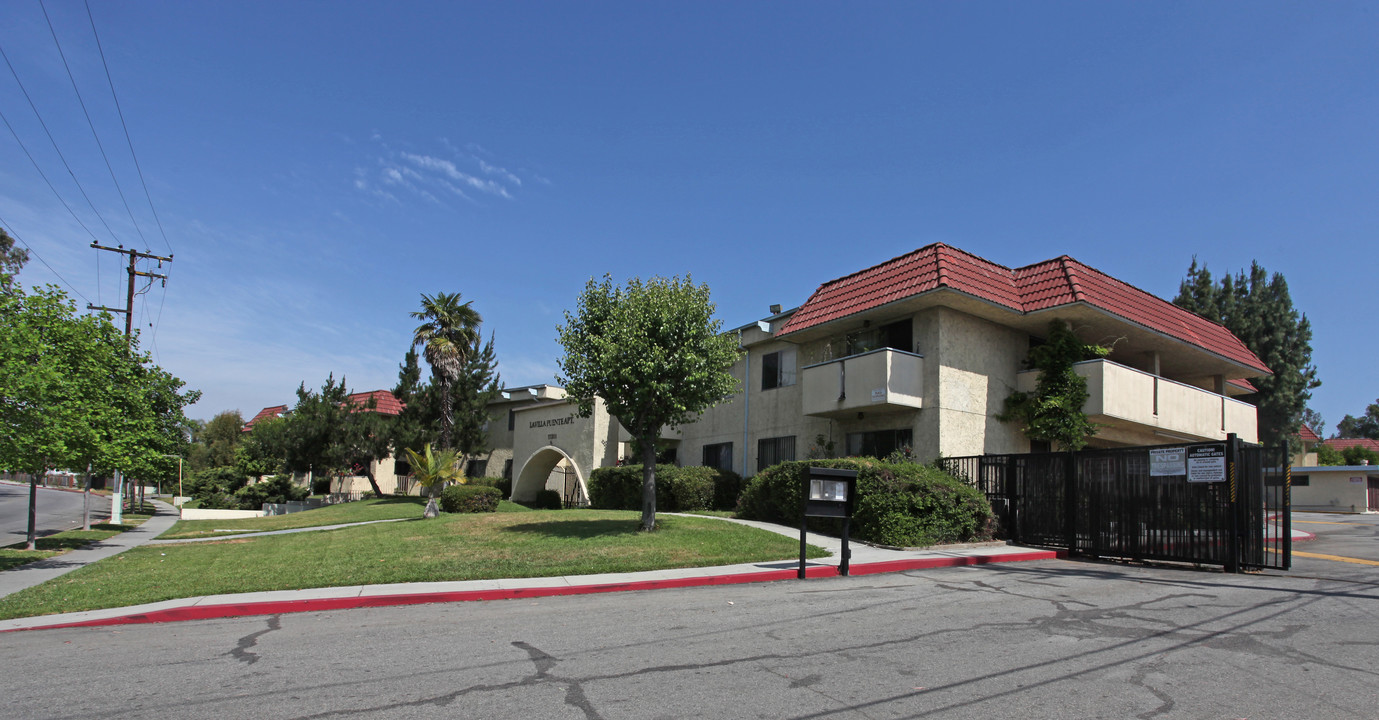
(391, 508)
(13, 556)
(543, 543)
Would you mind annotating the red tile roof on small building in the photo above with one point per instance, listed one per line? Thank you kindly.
(1306, 434)
(1048, 284)
(265, 414)
(385, 403)
(1344, 444)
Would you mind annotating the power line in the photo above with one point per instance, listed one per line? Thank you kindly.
(33, 252)
(89, 123)
(55, 148)
(46, 180)
(128, 140)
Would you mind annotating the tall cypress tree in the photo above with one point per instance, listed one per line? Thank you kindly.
(1257, 308)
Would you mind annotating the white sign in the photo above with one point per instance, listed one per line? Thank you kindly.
(1206, 463)
(1167, 461)
(878, 395)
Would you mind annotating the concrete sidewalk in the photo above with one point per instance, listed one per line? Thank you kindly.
(865, 560)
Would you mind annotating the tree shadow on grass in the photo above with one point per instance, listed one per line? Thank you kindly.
(576, 529)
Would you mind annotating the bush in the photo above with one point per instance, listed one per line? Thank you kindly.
(470, 499)
(547, 500)
(899, 504)
(678, 489)
(277, 489)
(503, 484)
(321, 486)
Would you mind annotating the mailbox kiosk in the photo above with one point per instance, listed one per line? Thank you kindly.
(828, 492)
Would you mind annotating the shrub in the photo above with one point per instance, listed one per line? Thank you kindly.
(547, 500)
(214, 481)
(320, 486)
(470, 499)
(678, 489)
(503, 484)
(901, 504)
(277, 489)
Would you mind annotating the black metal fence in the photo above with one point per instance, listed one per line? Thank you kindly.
(1122, 502)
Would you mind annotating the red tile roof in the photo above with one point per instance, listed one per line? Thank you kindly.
(384, 402)
(265, 414)
(1243, 384)
(1052, 283)
(1343, 444)
(1306, 434)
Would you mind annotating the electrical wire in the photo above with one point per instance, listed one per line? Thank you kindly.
(49, 182)
(91, 124)
(15, 235)
(55, 147)
(127, 138)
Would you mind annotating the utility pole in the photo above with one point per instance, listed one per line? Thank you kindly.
(134, 273)
(117, 499)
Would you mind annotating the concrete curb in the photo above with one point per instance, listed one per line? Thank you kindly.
(357, 597)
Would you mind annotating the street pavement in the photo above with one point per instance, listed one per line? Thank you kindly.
(58, 510)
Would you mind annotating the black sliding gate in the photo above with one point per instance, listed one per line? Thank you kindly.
(1131, 503)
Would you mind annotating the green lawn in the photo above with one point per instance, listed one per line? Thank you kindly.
(453, 547)
(390, 508)
(12, 556)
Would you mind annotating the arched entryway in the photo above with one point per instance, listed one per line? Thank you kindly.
(550, 467)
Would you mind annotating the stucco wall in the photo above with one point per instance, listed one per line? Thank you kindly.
(977, 362)
(1330, 488)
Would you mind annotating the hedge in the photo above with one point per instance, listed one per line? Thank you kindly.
(899, 504)
(503, 484)
(678, 489)
(470, 499)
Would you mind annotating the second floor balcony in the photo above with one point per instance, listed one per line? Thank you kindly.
(1133, 400)
(884, 380)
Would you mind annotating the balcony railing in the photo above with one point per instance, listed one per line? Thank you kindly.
(884, 380)
(1123, 397)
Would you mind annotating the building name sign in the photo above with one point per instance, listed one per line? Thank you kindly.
(568, 420)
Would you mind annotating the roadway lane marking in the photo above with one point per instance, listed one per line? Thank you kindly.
(1337, 558)
(1323, 522)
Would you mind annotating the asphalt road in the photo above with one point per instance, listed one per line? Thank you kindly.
(1051, 639)
(58, 510)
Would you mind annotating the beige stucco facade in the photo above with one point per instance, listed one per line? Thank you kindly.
(938, 394)
(1335, 488)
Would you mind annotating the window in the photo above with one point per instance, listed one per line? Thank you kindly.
(719, 455)
(1302, 481)
(879, 443)
(778, 369)
(476, 468)
(773, 451)
(507, 469)
(512, 420)
(897, 335)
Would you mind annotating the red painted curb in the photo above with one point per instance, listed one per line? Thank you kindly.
(277, 607)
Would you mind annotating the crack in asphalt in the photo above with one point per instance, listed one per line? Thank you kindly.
(241, 651)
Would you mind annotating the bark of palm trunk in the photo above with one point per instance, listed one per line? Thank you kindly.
(432, 510)
(649, 483)
(447, 414)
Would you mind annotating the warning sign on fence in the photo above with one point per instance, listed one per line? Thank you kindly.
(1206, 463)
(1167, 462)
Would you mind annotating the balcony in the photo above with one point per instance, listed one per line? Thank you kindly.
(880, 381)
(1126, 399)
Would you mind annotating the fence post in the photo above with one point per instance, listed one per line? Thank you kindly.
(1070, 502)
(1013, 499)
(1233, 541)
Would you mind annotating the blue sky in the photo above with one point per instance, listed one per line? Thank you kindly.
(317, 166)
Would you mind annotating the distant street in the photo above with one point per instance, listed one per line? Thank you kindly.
(58, 510)
(1050, 639)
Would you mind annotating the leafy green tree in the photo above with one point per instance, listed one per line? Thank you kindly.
(328, 434)
(653, 353)
(448, 331)
(1313, 419)
(263, 450)
(1327, 455)
(1053, 412)
(476, 387)
(1365, 426)
(12, 260)
(432, 470)
(1257, 308)
(217, 441)
(419, 421)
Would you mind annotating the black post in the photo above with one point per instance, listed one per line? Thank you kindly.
(1070, 502)
(802, 546)
(1233, 541)
(1286, 542)
(804, 502)
(847, 553)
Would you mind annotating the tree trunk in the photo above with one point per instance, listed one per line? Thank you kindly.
(649, 481)
(447, 414)
(432, 510)
(368, 473)
(33, 512)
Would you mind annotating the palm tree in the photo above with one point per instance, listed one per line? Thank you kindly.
(432, 471)
(449, 330)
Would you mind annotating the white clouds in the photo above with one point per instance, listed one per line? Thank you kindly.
(462, 174)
